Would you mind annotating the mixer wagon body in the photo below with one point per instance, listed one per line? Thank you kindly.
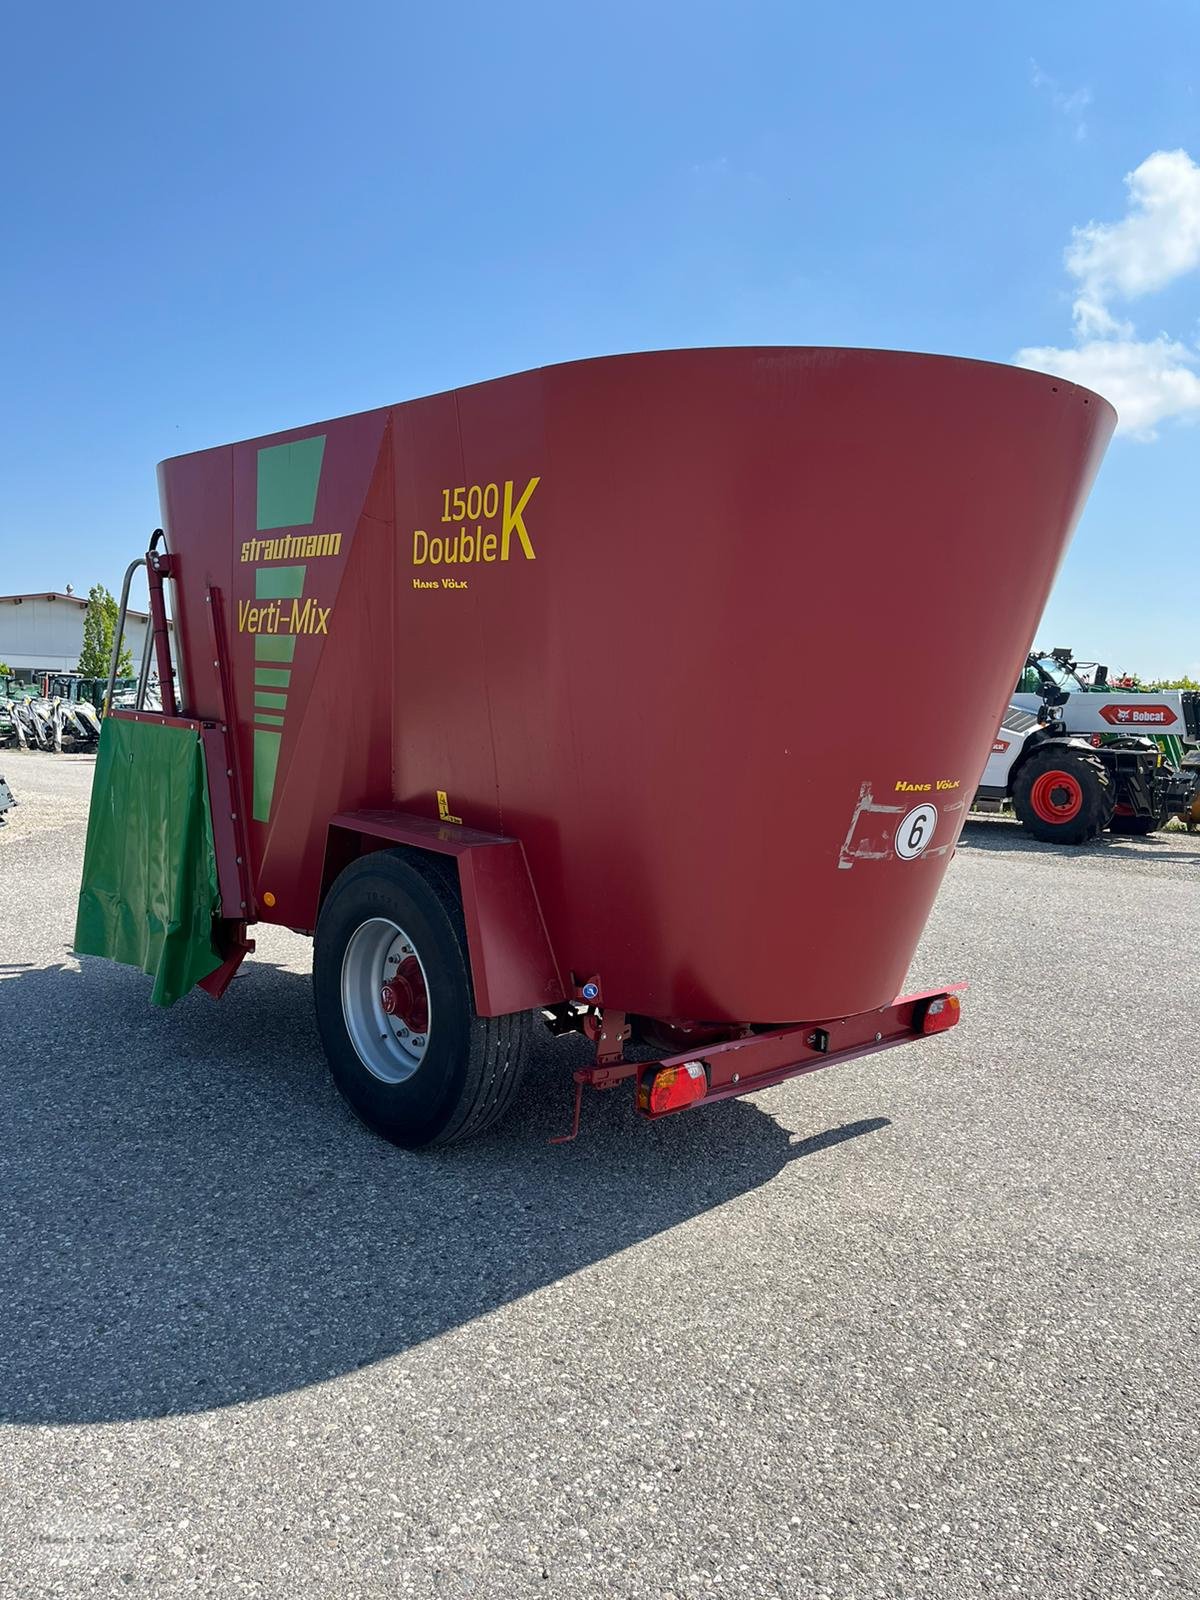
(606, 636)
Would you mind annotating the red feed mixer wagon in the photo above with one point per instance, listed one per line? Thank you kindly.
(519, 699)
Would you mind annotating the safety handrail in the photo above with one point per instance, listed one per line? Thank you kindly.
(119, 633)
(157, 567)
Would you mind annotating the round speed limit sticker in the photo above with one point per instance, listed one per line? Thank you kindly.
(915, 832)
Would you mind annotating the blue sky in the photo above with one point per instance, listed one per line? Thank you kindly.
(222, 221)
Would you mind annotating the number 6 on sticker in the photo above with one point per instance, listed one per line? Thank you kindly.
(915, 832)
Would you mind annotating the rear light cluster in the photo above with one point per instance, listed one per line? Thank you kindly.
(671, 1088)
(940, 1013)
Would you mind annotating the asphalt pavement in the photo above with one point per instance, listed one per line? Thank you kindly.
(922, 1326)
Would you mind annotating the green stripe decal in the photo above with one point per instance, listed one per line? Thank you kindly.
(278, 583)
(266, 759)
(274, 646)
(288, 475)
(282, 584)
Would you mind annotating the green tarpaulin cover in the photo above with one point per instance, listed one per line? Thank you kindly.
(149, 890)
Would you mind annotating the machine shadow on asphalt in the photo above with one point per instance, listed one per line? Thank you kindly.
(1005, 836)
(192, 1218)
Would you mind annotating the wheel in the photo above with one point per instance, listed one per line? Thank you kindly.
(1063, 796)
(1124, 821)
(392, 986)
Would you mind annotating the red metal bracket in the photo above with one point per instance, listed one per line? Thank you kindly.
(234, 941)
(228, 796)
(573, 1131)
(160, 565)
(598, 1077)
(608, 1031)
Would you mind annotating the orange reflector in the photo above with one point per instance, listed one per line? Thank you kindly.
(671, 1088)
(940, 1014)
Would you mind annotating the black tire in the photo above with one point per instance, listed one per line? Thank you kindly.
(1087, 798)
(1139, 826)
(472, 1065)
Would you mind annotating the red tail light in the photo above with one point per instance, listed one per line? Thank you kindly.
(672, 1088)
(940, 1013)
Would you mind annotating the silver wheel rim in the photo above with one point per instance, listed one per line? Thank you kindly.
(387, 1043)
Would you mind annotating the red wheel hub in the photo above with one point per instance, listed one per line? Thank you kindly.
(1056, 796)
(404, 996)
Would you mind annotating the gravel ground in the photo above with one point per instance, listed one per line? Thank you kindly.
(925, 1326)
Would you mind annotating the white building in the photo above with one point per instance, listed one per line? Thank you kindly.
(44, 633)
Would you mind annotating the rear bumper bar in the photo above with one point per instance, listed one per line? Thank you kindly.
(760, 1060)
(743, 1065)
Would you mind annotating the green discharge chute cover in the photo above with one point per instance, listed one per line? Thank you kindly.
(149, 891)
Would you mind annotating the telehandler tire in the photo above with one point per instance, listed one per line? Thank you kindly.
(1063, 796)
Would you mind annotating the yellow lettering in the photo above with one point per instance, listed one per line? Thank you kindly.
(420, 547)
(488, 550)
(293, 546)
(514, 520)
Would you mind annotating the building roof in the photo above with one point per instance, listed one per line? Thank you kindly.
(54, 594)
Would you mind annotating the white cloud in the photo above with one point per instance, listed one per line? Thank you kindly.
(1157, 241)
(1147, 380)
(1072, 105)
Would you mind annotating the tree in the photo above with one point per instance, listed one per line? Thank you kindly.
(1174, 683)
(99, 625)
(1134, 681)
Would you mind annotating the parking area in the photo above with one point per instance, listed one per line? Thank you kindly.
(922, 1326)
